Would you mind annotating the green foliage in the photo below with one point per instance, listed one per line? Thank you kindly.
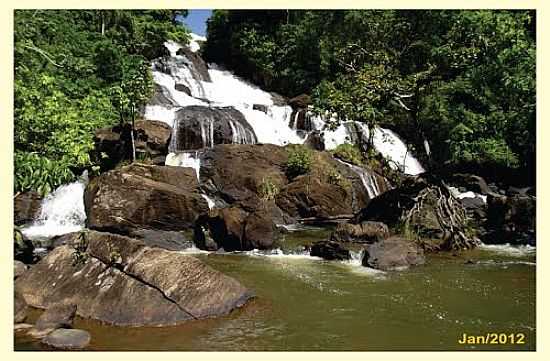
(336, 178)
(349, 153)
(268, 189)
(299, 161)
(76, 71)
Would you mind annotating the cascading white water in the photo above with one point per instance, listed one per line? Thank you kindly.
(62, 211)
(185, 159)
(367, 178)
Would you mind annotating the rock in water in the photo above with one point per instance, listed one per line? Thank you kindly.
(68, 339)
(365, 232)
(121, 281)
(330, 251)
(393, 253)
(144, 197)
(57, 316)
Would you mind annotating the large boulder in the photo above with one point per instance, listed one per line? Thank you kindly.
(234, 229)
(26, 207)
(19, 268)
(152, 137)
(120, 281)
(196, 65)
(330, 250)
(199, 126)
(393, 253)
(20, 308)
(144, 197)
(23, 248)
(365, 232)
(249, 176)
(470, 182)
(300, 102)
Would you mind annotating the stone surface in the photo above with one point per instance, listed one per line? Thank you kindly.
(393, 253)
(330, 251)
(365, 232)
(19, 308)
(119, 280)
(57, 316)
(26, 207)
(170, 240)
(68, 339)
(144, 197)
(182, 88)
(300, 101)
(511, 220)
(23, 248)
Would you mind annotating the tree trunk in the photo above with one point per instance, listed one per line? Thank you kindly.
(102, 23)
(132, 136)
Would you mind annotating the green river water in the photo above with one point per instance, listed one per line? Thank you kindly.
(304, 303)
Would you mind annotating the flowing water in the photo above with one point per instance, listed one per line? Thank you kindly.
(304, 303)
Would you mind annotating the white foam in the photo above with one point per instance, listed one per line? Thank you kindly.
(516, 251)
(62, 211)
(185, 159)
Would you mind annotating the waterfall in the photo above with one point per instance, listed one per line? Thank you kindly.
(62, 211)
(367, 178)
(185, 159)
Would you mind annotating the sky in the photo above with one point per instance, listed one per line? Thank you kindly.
(196, 21)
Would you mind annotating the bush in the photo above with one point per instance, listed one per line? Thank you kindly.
(299, 161)
(349, 153)
(268, 190)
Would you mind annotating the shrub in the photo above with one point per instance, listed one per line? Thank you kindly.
(299, 161)
(268, 190)
(349, 153)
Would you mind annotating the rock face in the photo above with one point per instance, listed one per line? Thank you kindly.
(68, 339)
(26, 207)
(170, 240)
(195, 63)
(18, 269)
(144, 197)
(23, 248)
(199, 127)
(330, 251)
(19, 308)
(57, 316)
(120, 281)
(365, 232)
(234, 229)
(393, 253)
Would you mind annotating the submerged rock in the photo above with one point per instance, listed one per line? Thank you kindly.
(330, 251)
(68, 339)
(144, 197)
(365, 232)
(121, 281)
(393, 253)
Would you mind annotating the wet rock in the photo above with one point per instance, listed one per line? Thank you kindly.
(152, 137)
(20, 308)
(170, 240)
(183, 88)
(202, 126)
(18, 268)
(196, 65)
(57, 316)
(393, 253)
(144, 197)
(119, 280)
(26, 207)
(161, 95)
(23, 248)
(260, 107)
(365, 232)
(278, 99)
(234, 229)
(330, 251)
(68, 339)
(315, 141)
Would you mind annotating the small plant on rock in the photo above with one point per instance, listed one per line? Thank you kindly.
(299, 161)
(349, 153)
(268, 190)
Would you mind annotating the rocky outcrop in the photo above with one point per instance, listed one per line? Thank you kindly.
(170, 240)
(330, 251)
(144, 197)
(195, 63)
(26, 207)
(182, 88)
(23, 248)
(20, 308)
(393, 253)
(121, 281)
(19, 268)
(234, 229)
(365, 232)
(200, 126)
